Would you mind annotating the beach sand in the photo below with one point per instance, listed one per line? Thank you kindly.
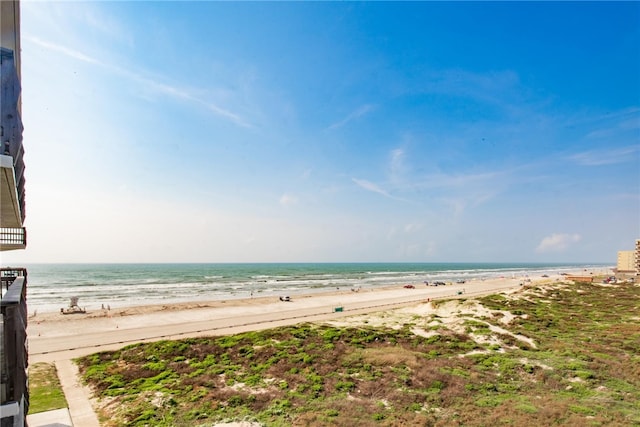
(54, 336)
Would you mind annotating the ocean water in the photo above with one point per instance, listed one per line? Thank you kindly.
(50, 286)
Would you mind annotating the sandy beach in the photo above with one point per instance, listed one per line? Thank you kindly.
(54, 336)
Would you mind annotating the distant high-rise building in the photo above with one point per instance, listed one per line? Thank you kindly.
(626, 262)
(629, 261)
(637, 257)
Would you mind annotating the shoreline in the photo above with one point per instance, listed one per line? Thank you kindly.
(133, 310)
(107, 308)
(53, 336)
(51, 290)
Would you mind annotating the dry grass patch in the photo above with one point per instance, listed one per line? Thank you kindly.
(393, 356)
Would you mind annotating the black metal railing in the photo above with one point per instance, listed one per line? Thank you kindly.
(14, 356)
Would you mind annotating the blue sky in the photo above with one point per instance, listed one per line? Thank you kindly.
(266, 132)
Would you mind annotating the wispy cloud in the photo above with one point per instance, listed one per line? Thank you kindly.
(557, 242)
(607, 156)
(161, 88)
(370, 186)
(104, 23)
(64, 50)
(629, 120)
(472, 198)
(582, 119)
(499, 88)
(185, 95)
(375, 188)
(357, 113)
(458, 180)
(458, 191)
(397, 166)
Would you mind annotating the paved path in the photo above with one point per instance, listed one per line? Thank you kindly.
(55, 418)
(77, 394)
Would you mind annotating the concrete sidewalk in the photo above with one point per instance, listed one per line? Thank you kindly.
(77, 395)
(55, 418)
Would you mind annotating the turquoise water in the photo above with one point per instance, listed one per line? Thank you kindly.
(50, 286)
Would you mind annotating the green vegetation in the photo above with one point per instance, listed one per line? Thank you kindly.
(44, 388)
(584, 369)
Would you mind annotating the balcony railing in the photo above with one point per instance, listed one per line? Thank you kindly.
(13, 238)
(14, 392)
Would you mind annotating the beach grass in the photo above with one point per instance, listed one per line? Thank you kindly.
(45, 392)
(568, 355)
